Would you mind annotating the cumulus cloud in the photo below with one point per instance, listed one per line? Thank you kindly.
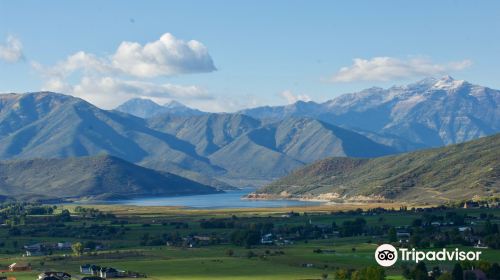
(107, 81)
(390, 68)
(165, 57)
(292, 98)
(109, 92)
(12, 50)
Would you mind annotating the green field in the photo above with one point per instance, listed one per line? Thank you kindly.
(213, 261)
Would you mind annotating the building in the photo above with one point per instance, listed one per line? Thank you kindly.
(96, 270)
(20, 267)
(33, 253)
(267, 239)
(471, 204)
(51, 275)
(86, 269)
(464, 229)
(64, 245)
(109, 272)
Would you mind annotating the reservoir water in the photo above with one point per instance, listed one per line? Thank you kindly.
(229, 199)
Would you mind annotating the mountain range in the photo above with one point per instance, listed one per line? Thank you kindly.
(252, 147)
(429, 113)
(453, 173)
(98, 177)
(231, 147)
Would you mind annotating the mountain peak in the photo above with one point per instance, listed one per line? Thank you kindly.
(447, 83)
(447, 78)
(140, 107)
(138, 100)
(174, 104)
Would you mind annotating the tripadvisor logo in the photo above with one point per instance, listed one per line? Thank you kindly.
(387, 255)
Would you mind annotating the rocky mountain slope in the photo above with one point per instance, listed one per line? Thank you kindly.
(429, 113)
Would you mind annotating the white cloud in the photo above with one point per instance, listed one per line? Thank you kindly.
(292, 98)
(107, 81)
(165, 57)
(109, 92)
(390, 68)
(12, 50)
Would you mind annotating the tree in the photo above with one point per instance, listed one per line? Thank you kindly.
(77, 248)
(436, 272)
(369, 273)
(420, 272)
(406, 271)
(392, 235)
(65, 216)
(230, 252)
(494, 271)
(445, 276)
(342, 274)
(457, 273)
(469, 275)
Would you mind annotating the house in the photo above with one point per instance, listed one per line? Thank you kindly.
(202, 240)
(34, 253)
(19, 267)
(109, 272)
(64, 245)
(464, 229)
(95, 269)
(479, 245)
(49, 275)
(471, 204)
(86, 269)
(37, 246)
(49, 278)
(267, 239)
(403, 236)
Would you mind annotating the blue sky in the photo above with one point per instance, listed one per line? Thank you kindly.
(247, 53)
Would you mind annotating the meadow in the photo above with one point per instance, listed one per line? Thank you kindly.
(127, 249)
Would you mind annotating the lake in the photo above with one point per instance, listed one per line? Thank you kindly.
(229, 199)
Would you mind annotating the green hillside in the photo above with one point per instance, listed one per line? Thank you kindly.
(464, 171)
(96, 177)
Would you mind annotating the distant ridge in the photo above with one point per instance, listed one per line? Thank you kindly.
(146, 108)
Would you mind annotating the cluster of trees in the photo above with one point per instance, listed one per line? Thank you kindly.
(15, 213)
(93, 231)
(460, 271)
(424, 235)
(245, 237)
(367, 273)
(92, 213)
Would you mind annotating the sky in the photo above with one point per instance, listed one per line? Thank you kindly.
(229, 55)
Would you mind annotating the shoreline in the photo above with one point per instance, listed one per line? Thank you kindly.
(327, 198)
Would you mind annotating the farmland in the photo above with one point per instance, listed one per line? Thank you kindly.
(175, 243)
